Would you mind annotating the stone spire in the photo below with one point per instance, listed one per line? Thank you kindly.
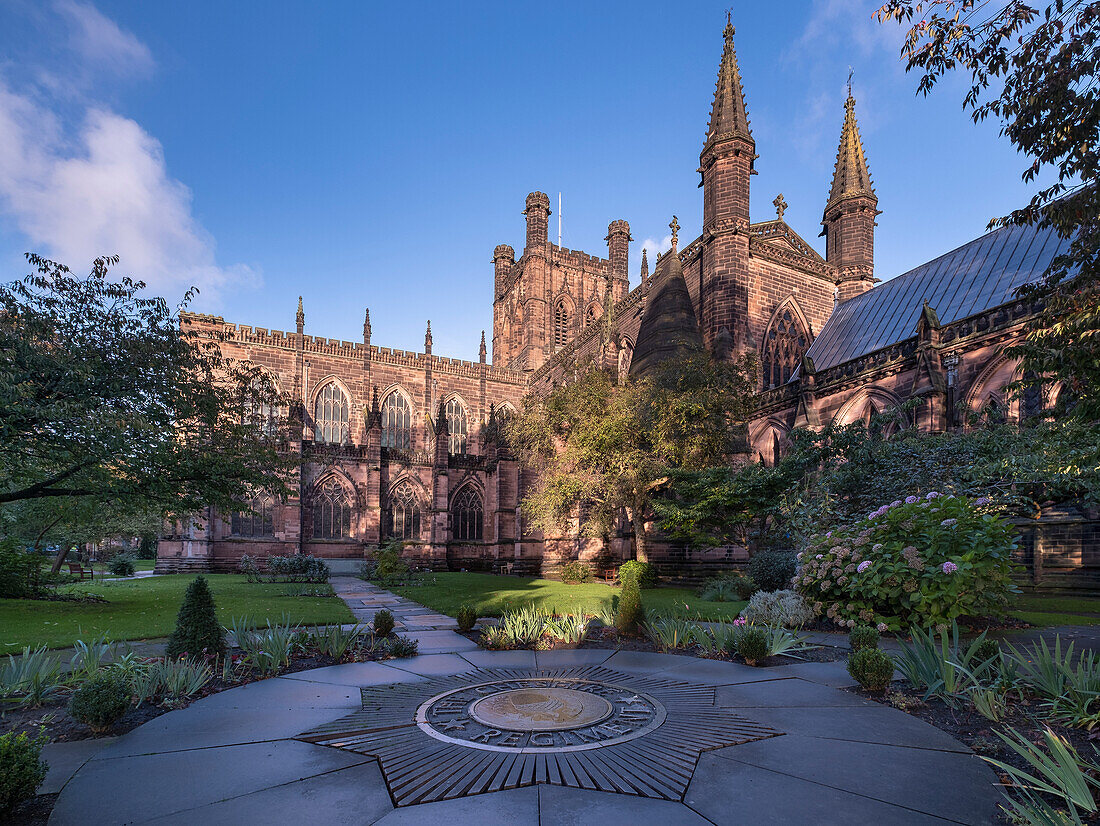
(727, 115)
(366, 328)
(300, 318)
(645, 267)
(481, 351)
(428, 339)
(669, 327)
(851, 177)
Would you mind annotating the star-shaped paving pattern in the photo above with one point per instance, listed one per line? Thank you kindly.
(430, 748)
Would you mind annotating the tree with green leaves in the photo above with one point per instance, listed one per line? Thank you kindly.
(107, 406)
(599, 447)
(1032, 67)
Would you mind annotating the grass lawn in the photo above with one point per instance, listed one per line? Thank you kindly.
(490, 595)
(140, 609)
(1045, 610)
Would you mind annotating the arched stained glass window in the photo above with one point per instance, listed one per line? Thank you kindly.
(261, 410)
(467, 515)
(784, 345)
(331, 511)
(330, 415)
(396, 422)
(457, 426)
(258, 521)
(404, 513)
(561, 324)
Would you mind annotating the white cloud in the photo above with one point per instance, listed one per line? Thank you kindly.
(100, 42)
(652, 246)
(102, 187)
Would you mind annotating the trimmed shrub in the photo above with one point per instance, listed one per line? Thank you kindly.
(198, 633)
(641, 572)
(576, 573)
(100, 701)
(862, 636)
(751, 643)
(871, 668)
(383, 623)
(297, 568)
(923, 562)
(466, 617)
(731, 586)
(22, 769)
(772, 570)
(629, 614)
(250, 567)
(122, 564)
(778, 608)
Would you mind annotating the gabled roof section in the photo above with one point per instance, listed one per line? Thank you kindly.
(851, 177)
(779, 233)
(669, 326)
(976, 277)
(728, 117)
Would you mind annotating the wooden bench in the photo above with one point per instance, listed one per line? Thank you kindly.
(611, 575)
(505, 568)
(80, 571)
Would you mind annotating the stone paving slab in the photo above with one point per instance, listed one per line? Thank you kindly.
(725, 791)
(560, 806)
(791, 692)
(355, 674)
(859, 724)
(65, 759)
(284, 692)
(944, 784)
(347, 797)
(433, 665)
(136, 789)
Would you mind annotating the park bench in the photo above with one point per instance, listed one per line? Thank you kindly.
(78, 570)
(611, 575)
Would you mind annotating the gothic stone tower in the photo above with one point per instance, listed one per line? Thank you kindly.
(849, 219)
(543, 301)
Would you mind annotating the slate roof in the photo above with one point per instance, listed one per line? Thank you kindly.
(669, 326)
(976, 277)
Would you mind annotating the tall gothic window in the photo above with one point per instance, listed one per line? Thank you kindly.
(330, 415)
(258, 521)
(331, 511)
(404, 513)
(561, 324)
(457, 426)
(259, 410)
(467, 516)
(784, 345)
(396, 422)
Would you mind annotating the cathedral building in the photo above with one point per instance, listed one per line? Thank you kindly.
(403, 445)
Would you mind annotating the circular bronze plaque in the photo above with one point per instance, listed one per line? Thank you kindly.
(541, 709)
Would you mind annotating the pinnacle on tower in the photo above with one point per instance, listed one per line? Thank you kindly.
(428, 339)
(300, 318)
(481, 351)
(850, 177)
(366, 327)
(645, 267)
(728, 117)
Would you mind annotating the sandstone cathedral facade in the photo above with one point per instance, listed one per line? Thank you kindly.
(405, 445)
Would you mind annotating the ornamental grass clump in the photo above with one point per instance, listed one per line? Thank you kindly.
(198, 634)
(752, 644)
(778, 608)
(923, 562)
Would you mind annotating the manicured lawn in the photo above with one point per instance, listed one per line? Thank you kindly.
(146, 609)
(1048, 611)
(490, 595)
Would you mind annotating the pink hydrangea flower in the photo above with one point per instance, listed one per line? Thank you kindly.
(882, 627)
(950, 567)
(863, 566)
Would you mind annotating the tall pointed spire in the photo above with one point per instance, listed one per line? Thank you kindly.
(728, 117)
(366, 327)
(482, 351)
(645, 267)
(428, 339)
(300, 316)
(850, 176)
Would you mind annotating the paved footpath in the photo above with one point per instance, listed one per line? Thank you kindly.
(342, 745)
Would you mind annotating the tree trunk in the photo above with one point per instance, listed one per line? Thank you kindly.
(637, 516)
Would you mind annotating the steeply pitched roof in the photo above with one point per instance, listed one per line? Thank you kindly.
(727, 114)
(669, 326)
(850, 175)
(977, 276)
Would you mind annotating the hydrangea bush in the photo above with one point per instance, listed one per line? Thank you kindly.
(923, 561)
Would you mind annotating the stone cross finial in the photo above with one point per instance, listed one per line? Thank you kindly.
(674, 225)
(780, 205)
(850, 72)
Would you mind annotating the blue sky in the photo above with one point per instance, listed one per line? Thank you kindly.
(374, 154)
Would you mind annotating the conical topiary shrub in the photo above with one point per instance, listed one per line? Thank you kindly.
(630, 612)
(198, 633)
